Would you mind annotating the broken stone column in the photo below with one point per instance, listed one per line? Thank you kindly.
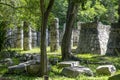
(88, 39)
(27, 42)
(19, 36)
(54, 35)
(113, 47)
(34, 39)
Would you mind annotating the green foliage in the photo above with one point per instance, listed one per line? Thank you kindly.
(104, 11)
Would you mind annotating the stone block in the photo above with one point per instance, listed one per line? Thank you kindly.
(33, 69)
(106, 70)
(68, 64)
(76, 71)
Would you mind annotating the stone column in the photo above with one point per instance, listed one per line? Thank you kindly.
(19, 36)
(27, 43)
(54, 35)
(9, 35)
(38, 38)
(34, 39)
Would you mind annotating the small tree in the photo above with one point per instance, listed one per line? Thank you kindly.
(45, 10)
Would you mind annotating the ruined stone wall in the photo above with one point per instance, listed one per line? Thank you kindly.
(94, 38)
(114, 40)
(88, 39)
(103, 35)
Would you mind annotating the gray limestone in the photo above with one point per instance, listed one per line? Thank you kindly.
(113, 46)
(19, 35)
(34, 38)
(68, 64)
(103, 35)
(54, 35)
(27, 42)
(106, 70)
(88, 39)
(93, 38)
(76, 71)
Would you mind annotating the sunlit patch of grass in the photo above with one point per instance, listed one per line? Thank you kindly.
(86, 56)
(3, 69)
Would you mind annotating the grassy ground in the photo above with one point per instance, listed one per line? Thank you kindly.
(91, 61)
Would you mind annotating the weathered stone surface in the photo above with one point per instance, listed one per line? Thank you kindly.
(103, 35)
(114, 77)
(88, 39)
(27, 42)
(106, 70)
(19, 36)
(76, 71)
(54, 35)
(34, 38)
(8, 62)
(93, 38)
(36, 57)
(68, 64)
(17, 68)
(114, 40)
(33, 69)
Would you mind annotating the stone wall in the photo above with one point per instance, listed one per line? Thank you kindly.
(88, 39)
(99, 38)
(114, 40)
(103, 35)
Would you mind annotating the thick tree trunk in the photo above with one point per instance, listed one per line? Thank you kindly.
(66, 41)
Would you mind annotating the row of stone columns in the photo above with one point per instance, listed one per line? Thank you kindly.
(26, 38)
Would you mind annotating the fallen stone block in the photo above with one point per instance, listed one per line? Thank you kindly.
(106, 70)
(76, 71)
(68, 64)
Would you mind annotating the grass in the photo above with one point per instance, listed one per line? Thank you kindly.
(55, 74)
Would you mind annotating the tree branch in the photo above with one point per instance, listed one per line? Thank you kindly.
(12, 5)
(50, 6)
(42, 7)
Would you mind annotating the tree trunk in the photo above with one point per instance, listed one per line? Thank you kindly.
(43, 47)
(66, 41)
(119, 11)
(45, 13)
